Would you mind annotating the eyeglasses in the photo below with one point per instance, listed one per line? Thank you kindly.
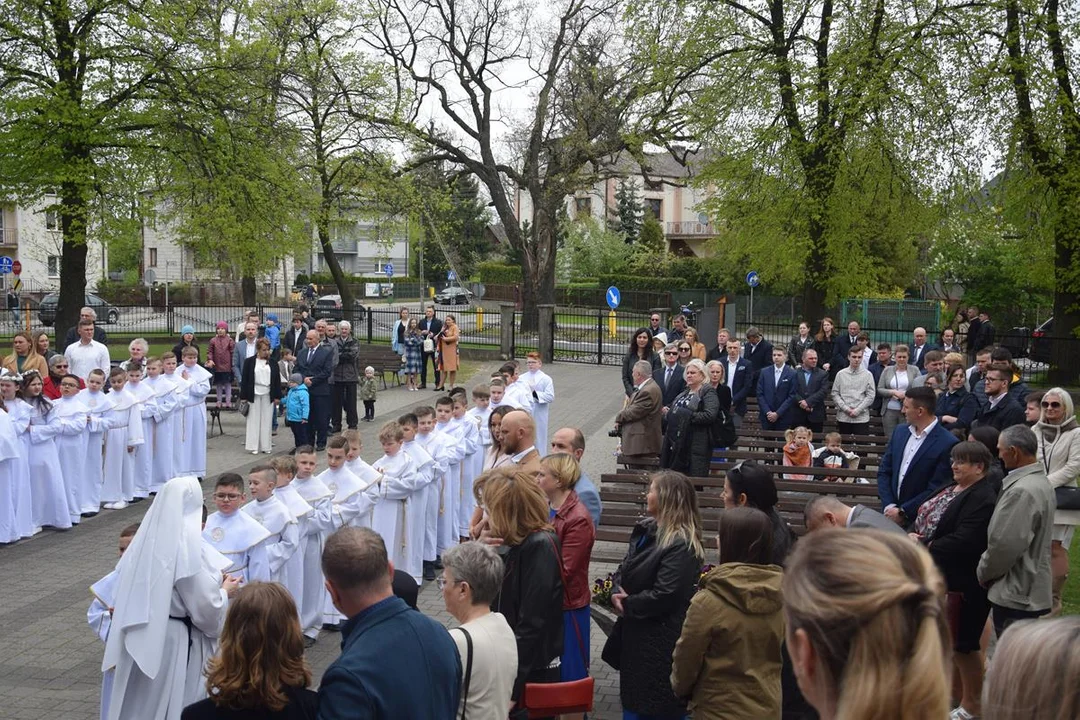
(1054, 405)
(443, 582)
(670, 352)
(227, 497)
(69, 386)
(60, 366)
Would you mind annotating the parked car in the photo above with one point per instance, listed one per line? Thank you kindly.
(1040, 342)
(328, 307)
(454, 295)
(1016, 341)
(106, 312)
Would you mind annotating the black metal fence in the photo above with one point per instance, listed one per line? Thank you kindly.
(593, 336)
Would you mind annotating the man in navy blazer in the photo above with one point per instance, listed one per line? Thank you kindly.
(738, 376)
(918, 460)
(670, 376)
(776, 392)
(316, 363)
(919, 348)
(811, 385)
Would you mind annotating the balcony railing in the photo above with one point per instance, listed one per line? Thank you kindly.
(690, 228)
(9, 237)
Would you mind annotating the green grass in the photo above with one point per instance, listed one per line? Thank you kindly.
(1070, 596)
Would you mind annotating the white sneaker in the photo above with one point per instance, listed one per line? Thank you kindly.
(961, 714)
(109, 506)
(120, 505)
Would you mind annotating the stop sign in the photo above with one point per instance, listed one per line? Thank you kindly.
(16, 267)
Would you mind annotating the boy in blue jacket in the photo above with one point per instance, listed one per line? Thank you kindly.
(298, 408)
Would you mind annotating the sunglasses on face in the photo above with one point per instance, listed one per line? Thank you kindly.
(1054, 405)
(684, 349)
(670, 352)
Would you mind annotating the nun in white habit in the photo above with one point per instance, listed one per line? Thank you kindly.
(170, 606)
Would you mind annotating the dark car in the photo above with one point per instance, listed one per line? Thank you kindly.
(328, 307)
(1040, 342)
(454, 295)
(105, 312)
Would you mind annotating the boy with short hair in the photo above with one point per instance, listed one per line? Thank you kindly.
(401, 509)
(496, 390)
(142, 457)
(285, 563)
(101, 420)
(273, 334)
(542, 390)
(833, 455)
(471, 466)
(99, 615)
(317, 527)
(164, 432)
(426, 468)
(121, 440)
(481, 410)
(195, 384)
(436, 444)
(456, 448)
(237, 535)
(298, 409)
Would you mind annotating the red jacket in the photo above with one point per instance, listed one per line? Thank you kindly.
(51, 389)
(576, 534)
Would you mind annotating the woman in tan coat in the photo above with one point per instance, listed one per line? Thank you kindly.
(448, 351)
(24, 357)
(727, 660)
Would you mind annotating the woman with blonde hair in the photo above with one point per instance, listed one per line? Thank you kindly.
(531, 597)
(24, 356)
(1034, 673)
(653, 587)
(41, 345)
(697, 348)
(259, 670)
(866, 626)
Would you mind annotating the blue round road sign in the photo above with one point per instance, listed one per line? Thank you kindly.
(752, 279)
(6, 264)
(388, 268)
(613, 297)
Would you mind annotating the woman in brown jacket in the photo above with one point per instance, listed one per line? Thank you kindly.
(24, 356)
(727, 660)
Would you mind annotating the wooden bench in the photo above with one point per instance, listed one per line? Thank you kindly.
(860, 475)
(623, 495)
(383, 359)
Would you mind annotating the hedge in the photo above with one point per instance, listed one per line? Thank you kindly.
(643, 282)
(499, 273)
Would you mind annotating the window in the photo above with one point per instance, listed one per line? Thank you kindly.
(53, 266)
(52, 220)
(153, 257)
(656, 207)
(583, 207)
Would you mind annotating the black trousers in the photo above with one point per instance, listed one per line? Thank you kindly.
(299, 433)
(344, 395)
(801, 417)
(1004, 617)
(845, 428)
(369, 409)
(423, 368)
(319, 419)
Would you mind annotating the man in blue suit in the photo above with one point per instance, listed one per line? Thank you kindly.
(920, 347)
(776, 392)
(757, 352)
(316, 363)
(738, 377)
(918, 460)
(811, 384)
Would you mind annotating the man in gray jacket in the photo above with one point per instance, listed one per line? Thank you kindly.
(1016, 563)
(827, 511)
(345, 378)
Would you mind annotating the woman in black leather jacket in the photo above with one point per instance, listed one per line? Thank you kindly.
(688, 440)
(640, 349)
(531, 597)
(654, 585)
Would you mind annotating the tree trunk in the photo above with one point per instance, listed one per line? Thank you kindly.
(538, 275)
(1063, 353)
(335, 267)
(247, 291)
(73, 217)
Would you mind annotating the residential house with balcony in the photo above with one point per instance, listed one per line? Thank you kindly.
(30, 233)
(665, 189)
(364, 243)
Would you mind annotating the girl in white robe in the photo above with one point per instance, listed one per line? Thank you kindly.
(316, 527)
(121, 440)
(101, 420)
(10, 452)
(48, 493)
(169, 609)
(18, 412)
(192, 445)
(71, 447)
(165, 433)
(142, 457)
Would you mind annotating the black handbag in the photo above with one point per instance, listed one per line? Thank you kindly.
(1068, 497)
(612, 652)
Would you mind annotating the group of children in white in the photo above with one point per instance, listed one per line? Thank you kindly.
(67, 457)
(418, 496)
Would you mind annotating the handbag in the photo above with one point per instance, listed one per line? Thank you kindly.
(243, 407)
(1068, 497)
(543, 700)
(612, 652)
(429, 345)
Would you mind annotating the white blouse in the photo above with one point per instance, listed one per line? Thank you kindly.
(262, 376)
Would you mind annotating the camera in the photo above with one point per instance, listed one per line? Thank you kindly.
(615, 432)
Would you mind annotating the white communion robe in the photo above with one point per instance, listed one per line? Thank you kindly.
(435, 443)
(401, 509)
(471, 467)
(191, 455)
(292, 574)
(101, 421)
(241, 539)
(71, 446)
(284, 539)
(418, 510)
(451, 487)
(126, 431)
(99, 616)
(353, 502)
(542, 392)
(49, 505)
(10, 456)
(519, 396)
(314, 528)
(143, 456)
(18, 412)
(165, 430)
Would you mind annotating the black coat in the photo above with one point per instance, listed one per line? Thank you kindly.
(724, 431)
(628, 367)
(688, 440)
(531, 600)
(826, 349)
(813, 393)
(433, 326)
(178, 351)
(660, 583)
(678, 383)
(960, 537)
(797, 347)
(247, 380)
(961, 404)
(761, 357)
(1007, 412)
(303, 705)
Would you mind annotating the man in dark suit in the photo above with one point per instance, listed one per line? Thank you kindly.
(295, 335)
(919, 348)
(738, 376)
(826, 511)
(907, 476)
(639, 421)
(776, 392)
(72, 337)
(669, 378)
(984, 335)
(948, 342)
(811, 384)
(841, 346)
(315, 363)
(882, 360)
(1002, 409)
(757, 352)
(720, 351)
(430, 329)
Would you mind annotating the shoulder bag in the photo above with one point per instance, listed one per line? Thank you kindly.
(468, 671)
(1068, 497)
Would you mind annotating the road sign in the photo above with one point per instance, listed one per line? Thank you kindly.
(5, 265)
(388, 268)
(613, 297)
(149, 277)
(451, 276)
(16, 267)
(17, 285)
(752, 279)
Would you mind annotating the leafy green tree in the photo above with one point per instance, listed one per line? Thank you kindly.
(628, 210)
(652, 236)
(590, 249)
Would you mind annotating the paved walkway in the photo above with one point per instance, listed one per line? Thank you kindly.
(50, 666)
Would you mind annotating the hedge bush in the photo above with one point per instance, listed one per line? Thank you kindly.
(499, 273)
(643, 282)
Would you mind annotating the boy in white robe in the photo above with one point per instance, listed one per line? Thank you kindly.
(399, 517)
(101, 420)
(282, 545)
(17, 468)
(169, 364)
(142, 456)
(517, 393)
(471, 466)
(170, 606)
(123, 436)
(285, 470)
(192, 458)
(99, 614)
(425, 466)
(496, 392)
(165, 436)
(235, 534)
(542, 390)
(71, 446)
(436, 445)
(319, 525)
(451, 491)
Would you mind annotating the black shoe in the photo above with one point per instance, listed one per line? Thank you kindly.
(308, 641)
(429, 571)
(423, 386)
(331, 627)
(320, 448)
(89, 514)
(438, 563)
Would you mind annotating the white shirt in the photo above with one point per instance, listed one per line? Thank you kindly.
(912, 447)
(729, 376)
(516, 459)
(494, 665)
(777, 372)
(84, 358)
